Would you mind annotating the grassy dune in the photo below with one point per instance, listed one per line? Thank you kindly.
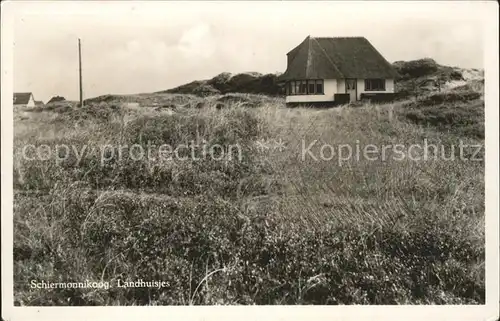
(269, 228)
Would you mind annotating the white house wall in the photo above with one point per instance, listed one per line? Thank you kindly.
(341, 86)
(389, 87)
(31, 102)
(334, 86)
(329, 89)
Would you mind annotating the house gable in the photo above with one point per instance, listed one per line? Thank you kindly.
(23, 98)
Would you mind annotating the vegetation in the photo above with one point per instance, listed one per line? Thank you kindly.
(269, 228)
(250, 83)
(56, 99)
(460, 112)
(424, 76)
(416, 78)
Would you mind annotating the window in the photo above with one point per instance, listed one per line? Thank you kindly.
(312, 88)
(305, 87)
(319, 87)
(374, 84)
(350, 84)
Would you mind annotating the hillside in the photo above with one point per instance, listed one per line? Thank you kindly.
(261, 224)
(255, 220)
(249, 83)
(416, 76)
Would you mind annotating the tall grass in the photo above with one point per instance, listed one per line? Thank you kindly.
(269, 228)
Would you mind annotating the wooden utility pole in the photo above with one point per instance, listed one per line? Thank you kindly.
(80, 71)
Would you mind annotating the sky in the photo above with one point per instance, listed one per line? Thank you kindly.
(130, 47)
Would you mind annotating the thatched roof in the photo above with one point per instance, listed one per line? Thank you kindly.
(22, 98)
(334, 58)
(56, 99)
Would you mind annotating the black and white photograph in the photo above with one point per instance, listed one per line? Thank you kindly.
(266, 153)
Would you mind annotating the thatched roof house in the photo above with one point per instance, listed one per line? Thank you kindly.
(24, 100)
(336, 70)
(56, 99)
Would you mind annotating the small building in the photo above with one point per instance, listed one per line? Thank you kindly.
(24, 100)
(56, 99)
(330, 71)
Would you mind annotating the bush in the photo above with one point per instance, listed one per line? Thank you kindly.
(221, 82)
(250, 82)
(456, 75)
(205, 90)
(446, 97)
(56, 99)
(378, 97)
(114, 164)
(475, 85)
(416, 68)
(464, 119)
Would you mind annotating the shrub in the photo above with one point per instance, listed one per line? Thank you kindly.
(249, 82)
(460, 118)
(56, 99)
(115, 165)
(475, 85)
(205, 90)
(447, 97)
(416, 68)
(221, 82)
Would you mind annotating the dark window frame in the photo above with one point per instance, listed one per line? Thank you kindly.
(303, 87)
(311, 88)
(305, 84)
(375, 84)
(319, 82)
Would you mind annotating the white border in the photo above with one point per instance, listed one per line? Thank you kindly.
(489, 311)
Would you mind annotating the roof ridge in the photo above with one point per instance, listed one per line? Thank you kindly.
(308, 61)
(342, 37)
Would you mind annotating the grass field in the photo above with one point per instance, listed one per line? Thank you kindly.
(272, 227)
